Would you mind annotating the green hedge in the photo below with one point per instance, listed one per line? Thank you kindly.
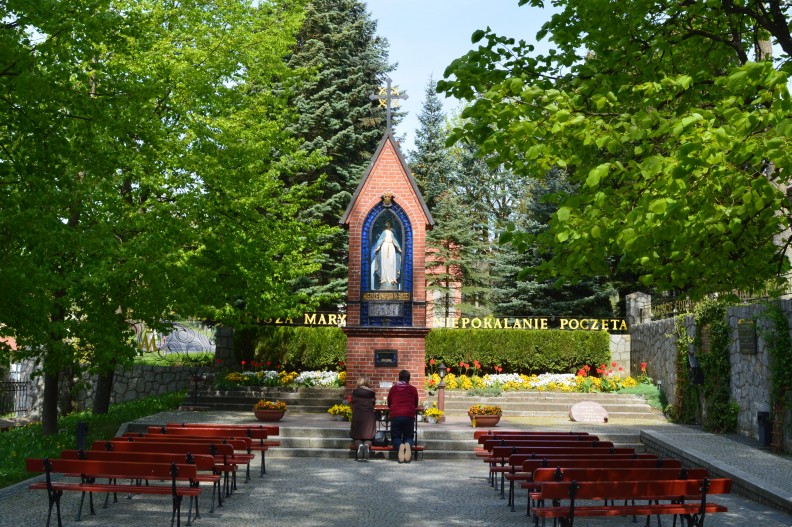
(292, 347)
(550, 351)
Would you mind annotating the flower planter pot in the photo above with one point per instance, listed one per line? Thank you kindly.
(431, 419)
(269, 415)
(484, 421)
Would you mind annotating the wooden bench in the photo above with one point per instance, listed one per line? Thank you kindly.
(241, 445)
(181, 478)
(204, 463)
(477, 434)
(258, 437)
(223, 454)
(522, 466)
(415, 449)
(271, 430)
(572, 492)
(500, 455)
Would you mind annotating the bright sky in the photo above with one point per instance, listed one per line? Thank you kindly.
(426, 35)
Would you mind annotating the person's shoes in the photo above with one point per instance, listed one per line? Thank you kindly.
(407, 452)
(365, 452)
(402, 452)
(360, 452)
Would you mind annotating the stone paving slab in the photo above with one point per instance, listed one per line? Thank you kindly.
(324, 492)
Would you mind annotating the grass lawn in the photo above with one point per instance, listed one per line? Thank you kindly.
(27, 441)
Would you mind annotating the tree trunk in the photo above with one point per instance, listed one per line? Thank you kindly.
(104, 389)
(49, 409)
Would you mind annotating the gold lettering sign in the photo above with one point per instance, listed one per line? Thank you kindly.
(543, 323)
(387, 296)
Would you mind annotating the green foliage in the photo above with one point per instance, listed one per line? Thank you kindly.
(517, 289)
(721, 412)
(431, 163)
(203, 359)
(143, 154)
(28, 441)
(487, 391)
(650, 392)
(345, 62)
(779, 345)
(686, 409)
(681, 157)
(293, 348)
(550, 351)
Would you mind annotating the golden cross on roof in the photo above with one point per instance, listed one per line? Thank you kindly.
(388, 97)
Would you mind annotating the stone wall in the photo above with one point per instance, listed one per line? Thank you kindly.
(654, 342)
(136, 383)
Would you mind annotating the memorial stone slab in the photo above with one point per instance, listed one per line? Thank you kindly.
(588, 412)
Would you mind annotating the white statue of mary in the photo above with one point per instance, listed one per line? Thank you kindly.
(386, 260)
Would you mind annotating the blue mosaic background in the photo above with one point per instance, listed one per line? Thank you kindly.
(405, 235)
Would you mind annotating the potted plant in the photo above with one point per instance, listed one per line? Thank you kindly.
(433, 414)
(484, 415)
(269, 410)
(340, 412)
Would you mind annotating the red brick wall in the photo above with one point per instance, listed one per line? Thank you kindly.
(410, 345)
(387, 176)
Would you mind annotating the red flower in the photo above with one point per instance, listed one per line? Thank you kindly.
(461, 364)
(268, 363)
(613, 364)
(587, 368)
(643, 367)
(448, 370)
(431, 361)
(219, 361)
(243, 363)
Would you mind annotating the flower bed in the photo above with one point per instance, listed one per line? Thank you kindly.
(282, 379)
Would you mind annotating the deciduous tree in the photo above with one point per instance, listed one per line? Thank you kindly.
(677, 141)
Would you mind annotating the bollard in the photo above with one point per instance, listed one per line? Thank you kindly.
(763, 419)
(82, 435)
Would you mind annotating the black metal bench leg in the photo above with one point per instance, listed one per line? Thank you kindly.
(54, 499)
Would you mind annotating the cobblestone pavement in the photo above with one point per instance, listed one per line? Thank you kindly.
(324, 492)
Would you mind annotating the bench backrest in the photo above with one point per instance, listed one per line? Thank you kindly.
(97, 468)
(230, 433)
(628, 490)
(537, 437)
(122, 445)
(492, 443)
(614, 461)
(272, 430)
(239, 443)
(482, 433)
(616, 474)
(546, 451)
(201, 461)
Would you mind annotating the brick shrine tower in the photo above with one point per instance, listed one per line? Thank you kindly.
(386, 326)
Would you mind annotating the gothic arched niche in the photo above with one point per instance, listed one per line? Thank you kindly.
(386, 254)
(386, 266)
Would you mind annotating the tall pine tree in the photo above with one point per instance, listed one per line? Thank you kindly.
(346, 62)
(517, 292)
(431, 162)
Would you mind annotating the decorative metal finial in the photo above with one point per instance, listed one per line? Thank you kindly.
(388, 98)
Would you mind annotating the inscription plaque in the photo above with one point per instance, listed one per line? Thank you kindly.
(377, 309)
(746, 335)
(706, 338)
(588, 412)
(388, 358)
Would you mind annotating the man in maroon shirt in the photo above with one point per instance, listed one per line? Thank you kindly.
(402, 401)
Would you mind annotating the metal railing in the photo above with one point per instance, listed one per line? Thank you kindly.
(14, 398)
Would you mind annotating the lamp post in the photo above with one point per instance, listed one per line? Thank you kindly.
(441, 371)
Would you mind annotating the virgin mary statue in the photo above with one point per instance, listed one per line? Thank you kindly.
(386, 260)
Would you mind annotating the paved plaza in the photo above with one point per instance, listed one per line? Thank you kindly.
(333, 492)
